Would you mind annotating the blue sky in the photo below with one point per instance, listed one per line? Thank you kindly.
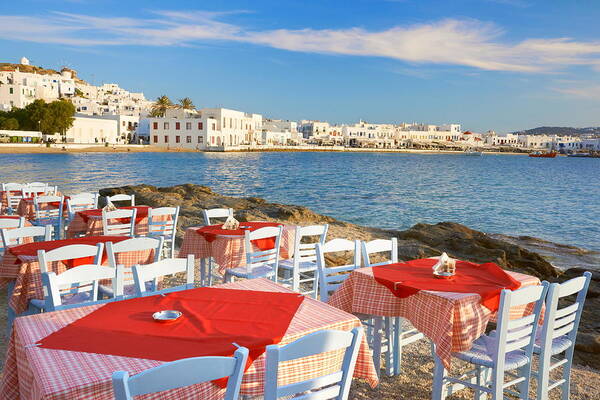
(488, 64)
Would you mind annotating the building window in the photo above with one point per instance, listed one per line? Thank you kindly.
(200, 126)
(200, 139)
(188, 126)
(166, 139)
(155, 138)
(188, 139)
(177, 125)
(177, 140)
(10, 90)
(212, 139)
(214, 126)
(155, 125)
(166, 125)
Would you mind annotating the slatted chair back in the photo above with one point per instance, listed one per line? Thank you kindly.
(70, 252)
(519, 333)
(331, 277)
(153, 272)
(305, 252)
(13, 198)
(15, 237)
(335, 385)
(49, 215)
(81, 202)
(182, 373)
(378, 246)
(561, 322)
(256, 257)
(11, 223)
(121, 197)
(119, 222)
(216, 213)
(163, 222)
(79, 283)
(14, 186)
(130, 245)
(38, 189)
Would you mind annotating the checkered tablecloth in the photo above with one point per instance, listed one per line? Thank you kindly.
(37, 373)
(451, 320)
(27, 208)
(94, 226)
(228, 251)
(25, 270)
(4, 200)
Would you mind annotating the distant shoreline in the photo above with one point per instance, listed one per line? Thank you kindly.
(154, 149)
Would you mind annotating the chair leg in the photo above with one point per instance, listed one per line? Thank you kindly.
(398, 329)
(497, 384)
(377, 325)
(389, 338)
(543, 377)
(524, 386)
(210, 272)
(439, 373)
(566, 386)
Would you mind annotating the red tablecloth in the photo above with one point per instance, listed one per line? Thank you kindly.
(213, 320)
(141, 213)
(31, 249)
(10, 216)
(210, 233)
(487, 280)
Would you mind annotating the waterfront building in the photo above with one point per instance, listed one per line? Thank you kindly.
(126, 126)
(312, 129)
(363, 134)
(92, 130)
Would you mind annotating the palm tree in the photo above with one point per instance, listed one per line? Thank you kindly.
(160, 106)
(186, 103)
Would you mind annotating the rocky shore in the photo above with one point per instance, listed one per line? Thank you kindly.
(421, 240)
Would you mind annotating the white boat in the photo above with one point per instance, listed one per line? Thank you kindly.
(471, 152)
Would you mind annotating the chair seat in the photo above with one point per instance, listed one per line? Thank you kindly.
(65, 300)
(37, 303)
(559, 345)
(481, 354)
(46, 221)
(263, 271)
(305, 266)
(128, 290)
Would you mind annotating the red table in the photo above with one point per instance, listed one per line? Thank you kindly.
(25, 269)
(33, 372)
(228, 248)
(451, 320)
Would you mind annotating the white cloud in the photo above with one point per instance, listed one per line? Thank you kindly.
(582, 90)
(464, 42)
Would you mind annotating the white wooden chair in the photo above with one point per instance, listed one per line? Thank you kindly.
(400, 337)
(14, 237)
(113, 225)
(181, 373)
(12, 186)
(162, 222)
(301, 269)
(259, 263)
(77, 286)
(210, 218)
(38, 189)
(508, 351)
(150, 273)
(558, 334)
(45, 215)
(335, 385)
(13, 198)
(8, 224)
(121, 197)
(126, 246)
(81, 202)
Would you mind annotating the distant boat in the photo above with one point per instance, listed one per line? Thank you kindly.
(471, 152)
(579, 155)
(538, 154)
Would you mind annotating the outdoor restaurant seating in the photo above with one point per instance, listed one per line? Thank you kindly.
(10, 223)
(119, 222)
(150, 273)
(183, 373)
(25, 234)
(506, 351)
(301, 269)
(129, 198)
(80, 202)
(162, 222)
(49, 211)
(558, 334)
(209, 216)
(335, 385)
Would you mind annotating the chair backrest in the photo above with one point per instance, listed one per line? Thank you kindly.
(257, 257)
(169, 266)
(380, 246)
(518, 333)
(561, 321)
(13, 198)
(163, 221)
(81, 202)
(123, 222)
(335, 385)
(14, 237)
(220, 213)
(48, 213)
(76, 281)
(12, 186)
(11, 223)
(121, 197)
(181, 373)
(306, 252)
(38, 189)
(330, 278)
(70, 252)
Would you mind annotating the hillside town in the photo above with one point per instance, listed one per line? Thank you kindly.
(110, 115)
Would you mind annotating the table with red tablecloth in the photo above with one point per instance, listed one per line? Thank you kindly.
(20, 264)
(27, 207)
(451, 318)
(50, 371)
(228, 247)
(89, 222)
(4, 198)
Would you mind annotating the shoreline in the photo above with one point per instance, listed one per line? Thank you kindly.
(154, 149)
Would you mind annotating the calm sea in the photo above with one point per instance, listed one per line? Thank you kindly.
(554, 199)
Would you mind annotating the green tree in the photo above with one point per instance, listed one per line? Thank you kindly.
(11, 124)
(34, 115)
(160, 106)
(186, 103)
(61, 115)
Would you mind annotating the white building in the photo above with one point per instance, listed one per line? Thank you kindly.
(363, 134)
(590, 144)
(310, 129)
(87, 129)
(126, 125)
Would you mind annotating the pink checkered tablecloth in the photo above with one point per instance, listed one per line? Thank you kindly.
(451, 320)
(27, 208)
(32, 372)
(25, 270)
(94, 227)
(228, 251)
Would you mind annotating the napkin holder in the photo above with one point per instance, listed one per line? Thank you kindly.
(445, 267)
(109, 206)
(231, 224)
